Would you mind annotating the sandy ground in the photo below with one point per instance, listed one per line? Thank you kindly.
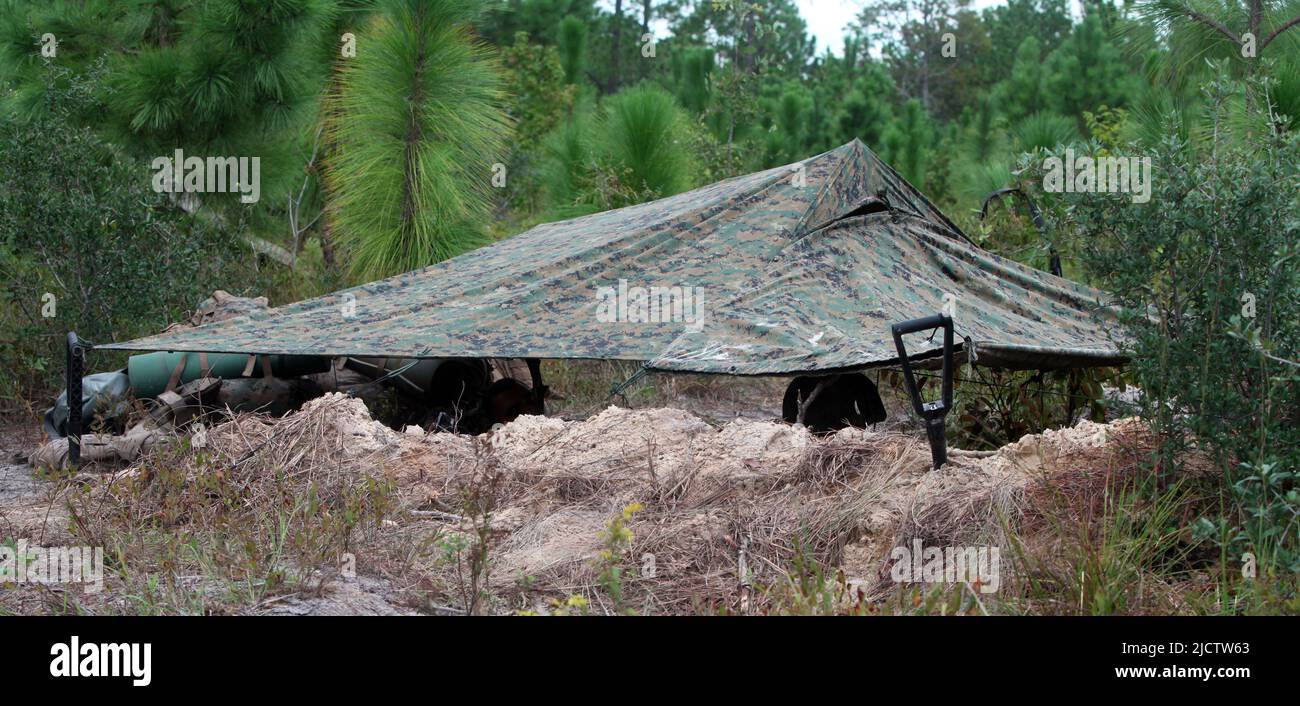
(724, 506)
(25, 495)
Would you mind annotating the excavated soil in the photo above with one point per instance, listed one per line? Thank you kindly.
(712, 499)
(706, 492)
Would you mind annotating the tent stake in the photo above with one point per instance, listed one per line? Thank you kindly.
(932, 412)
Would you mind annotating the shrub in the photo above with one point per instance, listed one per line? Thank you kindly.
(1205, 279)
(87, 245)
(633, 150)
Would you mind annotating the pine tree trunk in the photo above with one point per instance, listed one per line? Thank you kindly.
(617, 48)
(327, 246)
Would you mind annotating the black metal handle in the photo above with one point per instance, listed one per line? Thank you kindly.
(932, 412)
(76, 367)
(925, 324)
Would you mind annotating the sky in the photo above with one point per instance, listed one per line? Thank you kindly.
(826, 19)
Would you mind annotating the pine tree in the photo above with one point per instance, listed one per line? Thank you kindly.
(417, 124)
(573, 49)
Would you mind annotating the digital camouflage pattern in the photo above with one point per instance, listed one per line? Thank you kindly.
(796, 269)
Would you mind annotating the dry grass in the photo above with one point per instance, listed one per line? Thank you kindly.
(234, 515)
(259, 513)
(1104, 535)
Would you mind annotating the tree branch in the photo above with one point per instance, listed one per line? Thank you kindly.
(1284, 27)
(1213, 23)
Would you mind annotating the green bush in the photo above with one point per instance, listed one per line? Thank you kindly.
(632, 149)
(1206, 280)
(87, 245)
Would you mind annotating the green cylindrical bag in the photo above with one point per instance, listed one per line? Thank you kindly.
(150, 373)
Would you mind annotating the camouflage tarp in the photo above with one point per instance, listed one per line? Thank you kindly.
(794, 269)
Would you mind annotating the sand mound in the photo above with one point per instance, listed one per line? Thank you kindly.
(346, 424)
(749, 493)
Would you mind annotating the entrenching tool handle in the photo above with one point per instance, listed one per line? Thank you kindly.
(932, 412)
(75, 368)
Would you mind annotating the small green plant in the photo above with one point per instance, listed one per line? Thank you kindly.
(807, 589)
(617, 540)
(470, 551)
(417, 126)
(573, 605)
(631, 150)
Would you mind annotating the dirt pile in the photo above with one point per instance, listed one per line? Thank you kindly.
(712, 499)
